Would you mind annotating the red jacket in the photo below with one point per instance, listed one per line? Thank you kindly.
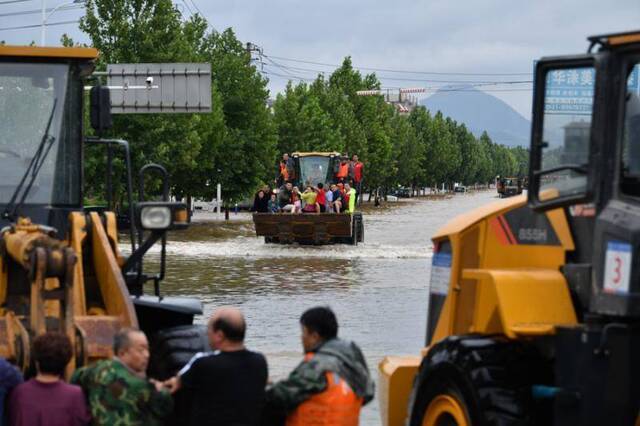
(357, 171)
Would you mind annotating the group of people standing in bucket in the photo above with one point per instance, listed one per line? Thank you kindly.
(228, 386)
(338, 197)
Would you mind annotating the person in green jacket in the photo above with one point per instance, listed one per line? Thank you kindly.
(351, 193)
(325, 352)
(118, 391)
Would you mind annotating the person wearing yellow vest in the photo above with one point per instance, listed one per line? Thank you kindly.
(329, 386)
(351, 196)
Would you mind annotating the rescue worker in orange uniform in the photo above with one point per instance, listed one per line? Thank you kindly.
(356, 170)
(286, 170)
(343, 171)
(283, 177)
(329, 386)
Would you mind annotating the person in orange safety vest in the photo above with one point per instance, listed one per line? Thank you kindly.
(284, 174)
(343, 171)
(329, 386)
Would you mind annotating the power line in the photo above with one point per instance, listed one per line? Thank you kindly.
(14, 1)
(23, 27)
(35, 11)
(187, 6)
(433, 89)
(283, 68)
(381, 77)
(202, 15)
(288, 77)
(484, 90)
(198, 9)
(400, 71)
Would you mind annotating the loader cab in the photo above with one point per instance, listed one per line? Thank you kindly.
(315, 167)
(42, 147)
(585, 159)
(41, 92)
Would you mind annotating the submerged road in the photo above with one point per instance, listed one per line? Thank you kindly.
(379, 289)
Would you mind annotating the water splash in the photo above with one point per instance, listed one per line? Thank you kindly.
(255, 247)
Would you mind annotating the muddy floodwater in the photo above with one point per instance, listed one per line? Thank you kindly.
(377, 289)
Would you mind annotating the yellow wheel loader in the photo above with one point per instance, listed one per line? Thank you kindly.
(534, 302)
(61, 264)
(311, 168)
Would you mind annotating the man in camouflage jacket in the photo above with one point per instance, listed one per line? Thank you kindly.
(117, 390)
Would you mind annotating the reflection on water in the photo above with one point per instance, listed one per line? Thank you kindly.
(377, 289)
(223, 278)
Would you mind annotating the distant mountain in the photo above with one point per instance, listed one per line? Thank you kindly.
(480, 111)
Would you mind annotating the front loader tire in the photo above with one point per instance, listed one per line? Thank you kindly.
(357, 230)
(478, 381)
(360, 225)
(172, 348)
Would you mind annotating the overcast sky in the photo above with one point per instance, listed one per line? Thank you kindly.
(440, 36)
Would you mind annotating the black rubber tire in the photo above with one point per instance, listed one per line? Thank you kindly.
(492, 376)
(353, 240)
(354, 235)
(173, 347)
(356, 230)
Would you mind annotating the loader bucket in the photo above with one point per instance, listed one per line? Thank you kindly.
(308, 228)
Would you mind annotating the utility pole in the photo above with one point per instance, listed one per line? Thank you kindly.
(254, 48)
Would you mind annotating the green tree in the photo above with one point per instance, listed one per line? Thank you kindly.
(420, 120)
(407, 152)
(470, 156)
(232, 145)
(522, 159)
(488, 170)
(442, 155)
(246, 156)
(286, 110)
(415, 150)
(344, 118)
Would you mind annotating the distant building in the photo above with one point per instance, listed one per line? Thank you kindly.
(404, 102)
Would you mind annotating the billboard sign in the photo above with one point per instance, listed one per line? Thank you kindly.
(159, 88)
(570, 91)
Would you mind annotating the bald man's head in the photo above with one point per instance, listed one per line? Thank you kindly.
(230, 322)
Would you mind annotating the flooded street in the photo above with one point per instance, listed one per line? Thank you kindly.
(377, 289)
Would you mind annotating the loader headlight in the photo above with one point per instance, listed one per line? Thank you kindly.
(155, 217)
(161, 215)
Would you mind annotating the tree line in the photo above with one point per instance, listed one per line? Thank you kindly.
(239, 142)
(417, 150)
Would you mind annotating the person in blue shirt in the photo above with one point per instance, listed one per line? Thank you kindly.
(338, 199)
(273, 205)
(10, 377)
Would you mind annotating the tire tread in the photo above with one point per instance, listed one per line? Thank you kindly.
(496, 375)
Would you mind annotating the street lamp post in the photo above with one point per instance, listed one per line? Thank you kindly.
(45, 17)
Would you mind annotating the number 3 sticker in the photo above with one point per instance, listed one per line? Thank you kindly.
(617, 267)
